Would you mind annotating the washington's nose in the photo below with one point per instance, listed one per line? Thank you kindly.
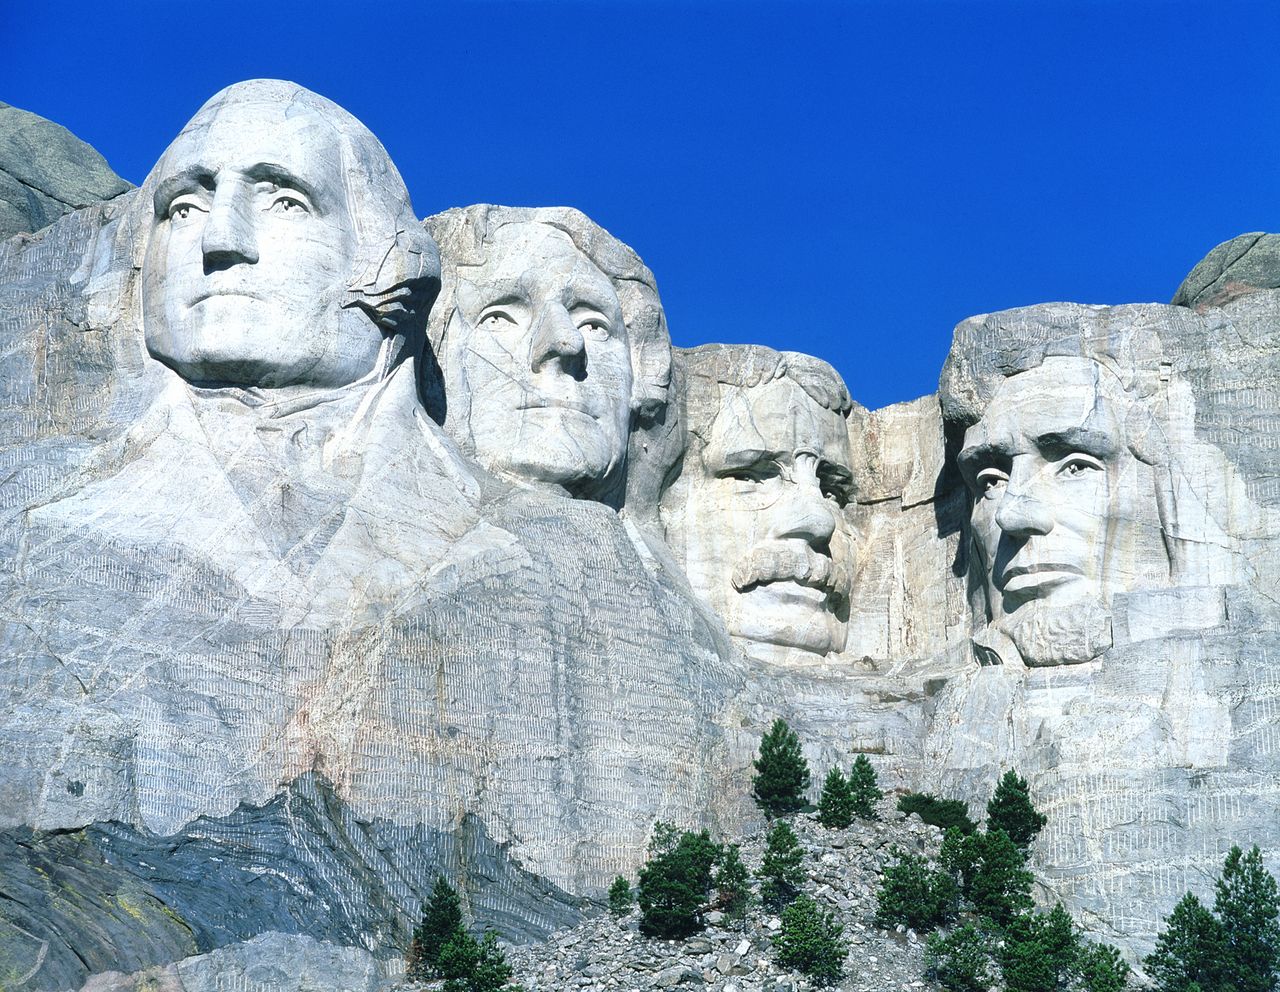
(229, 236)
(804, 513)
(1023, 516)
(557, 340)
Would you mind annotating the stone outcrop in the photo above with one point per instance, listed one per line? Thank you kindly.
(343, 549)
(45, 172)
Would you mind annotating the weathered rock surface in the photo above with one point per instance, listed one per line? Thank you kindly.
(333, 559)
(45, 172)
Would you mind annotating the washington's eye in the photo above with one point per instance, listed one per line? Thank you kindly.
(284, 203)
(990, 481)
(1079, 464)
(183, 207)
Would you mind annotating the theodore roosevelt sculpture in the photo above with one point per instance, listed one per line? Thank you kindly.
(758, 511)
(552, 345)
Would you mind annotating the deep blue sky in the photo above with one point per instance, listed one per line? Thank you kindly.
(845, 179)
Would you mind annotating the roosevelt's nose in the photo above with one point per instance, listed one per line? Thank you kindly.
(558, 342)
(1021, 515)
(229, 236)
(804, 513)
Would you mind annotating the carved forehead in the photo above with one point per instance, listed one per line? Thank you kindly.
(537, 258)
(1062, 397)
(776, 416)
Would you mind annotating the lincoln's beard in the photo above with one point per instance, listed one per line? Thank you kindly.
(1069, 634)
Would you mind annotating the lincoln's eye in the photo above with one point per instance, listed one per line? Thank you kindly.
(991, 481)
(1079, 464)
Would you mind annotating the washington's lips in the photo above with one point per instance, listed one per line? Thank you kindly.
(783, 563)
(1040, 575)
(211, 293)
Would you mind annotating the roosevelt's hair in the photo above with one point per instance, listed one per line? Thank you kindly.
(396, 271)
(464, 234)
(745, 366)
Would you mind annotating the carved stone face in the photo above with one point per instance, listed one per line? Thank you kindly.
(538, 347)
(765, 538)
(251, 247)
(1063, 512)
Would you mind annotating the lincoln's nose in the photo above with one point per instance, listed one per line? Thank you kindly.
(1023, 516)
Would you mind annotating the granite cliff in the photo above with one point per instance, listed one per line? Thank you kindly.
(344, 548)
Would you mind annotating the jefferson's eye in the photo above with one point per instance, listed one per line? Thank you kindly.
(759, 472)
(990, 481)
(1078, 464)
(496, 320)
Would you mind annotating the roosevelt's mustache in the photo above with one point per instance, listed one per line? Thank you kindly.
(791, 563)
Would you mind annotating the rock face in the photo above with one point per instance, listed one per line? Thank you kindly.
(45, 172)
(342, 550)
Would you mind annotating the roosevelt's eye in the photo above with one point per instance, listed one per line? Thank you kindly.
(593, 326)
(185, 207)
(1078, 464)
(991, 481)
(837, 492)
(494, 319)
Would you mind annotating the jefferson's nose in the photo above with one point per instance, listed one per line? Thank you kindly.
(1022, 516)
(557, 340)
(803, 513)
(229, 235)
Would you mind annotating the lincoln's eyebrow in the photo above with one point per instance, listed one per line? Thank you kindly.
(1059, 444)
(182, 181)
(981, 454)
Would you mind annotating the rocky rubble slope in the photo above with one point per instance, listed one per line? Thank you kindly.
(604, 954)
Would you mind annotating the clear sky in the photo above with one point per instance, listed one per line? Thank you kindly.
(847, 179)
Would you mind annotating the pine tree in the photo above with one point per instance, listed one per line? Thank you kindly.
(782, 773)
(835, 807)
(780, 871)
(1102, 969)
(620, 896)
(811, 942)
(1247, 907)
(960, 961)
(1011, 810)
(1001, 885)
(441, 918)
(864, 790)
(732, 883)
(674, 886)
(914, 894)
(1188, 951)
(470, 965)
(1039, 952)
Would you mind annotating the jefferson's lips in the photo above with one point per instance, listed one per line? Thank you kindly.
(545, 402)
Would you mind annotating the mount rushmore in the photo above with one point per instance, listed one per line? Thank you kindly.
(341, 549)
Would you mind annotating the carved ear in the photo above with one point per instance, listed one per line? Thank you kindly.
(396, 280)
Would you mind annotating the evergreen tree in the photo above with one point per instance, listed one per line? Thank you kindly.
(864, 790)
(811, 942)
(674, 886)
(1011, 810)
(944, 813)
(1001, 885)
(1247, 907)
(1102, 969)
(782, 774)
(620, 896)
(441, 918)
(915, 895)
(1039, 952)
(732, 883)
(835, 808)
(469, 965)
(1189, 950)
(960, 961)
(959, 856)
(780, 871)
